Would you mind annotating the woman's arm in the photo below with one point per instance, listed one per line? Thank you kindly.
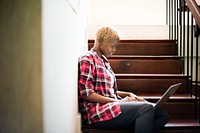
(95, 97)
(126, 97)
(124, 94)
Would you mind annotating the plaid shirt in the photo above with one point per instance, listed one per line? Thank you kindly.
(93, 77)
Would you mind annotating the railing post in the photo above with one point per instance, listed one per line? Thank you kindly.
(181, 29)
(191, 53)
(197, 33)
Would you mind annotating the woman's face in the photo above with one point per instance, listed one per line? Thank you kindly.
(108, 48)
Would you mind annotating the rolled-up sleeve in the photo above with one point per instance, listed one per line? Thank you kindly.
(86, 77)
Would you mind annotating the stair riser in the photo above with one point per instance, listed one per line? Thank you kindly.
(180, 109)
(142, 86)
(145, 66)
(144, 49)
(177, 109)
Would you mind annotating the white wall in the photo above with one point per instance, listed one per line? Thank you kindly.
(134, 19)
(136, 31)
(64, 39)
(128, 12)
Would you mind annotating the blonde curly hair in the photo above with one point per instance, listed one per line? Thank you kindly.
(106, 33)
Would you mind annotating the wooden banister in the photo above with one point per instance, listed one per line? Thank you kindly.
(194, 9)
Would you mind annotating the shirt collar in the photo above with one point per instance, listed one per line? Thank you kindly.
(102, 56)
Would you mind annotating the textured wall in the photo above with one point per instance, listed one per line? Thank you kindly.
(20, 66)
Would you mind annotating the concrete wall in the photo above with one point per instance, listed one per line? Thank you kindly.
(20, 66)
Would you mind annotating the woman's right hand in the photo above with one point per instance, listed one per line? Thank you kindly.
(132, 98)
(129, 99)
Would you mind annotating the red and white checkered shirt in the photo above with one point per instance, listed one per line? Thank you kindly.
(93, 77)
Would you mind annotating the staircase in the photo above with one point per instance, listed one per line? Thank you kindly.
(147, 68)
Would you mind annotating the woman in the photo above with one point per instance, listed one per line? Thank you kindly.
(102, 105)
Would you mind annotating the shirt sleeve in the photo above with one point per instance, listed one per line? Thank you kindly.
(86, 77)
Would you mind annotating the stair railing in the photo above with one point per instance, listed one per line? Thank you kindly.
(183, 18)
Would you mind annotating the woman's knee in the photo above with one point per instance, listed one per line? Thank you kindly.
(146, 108)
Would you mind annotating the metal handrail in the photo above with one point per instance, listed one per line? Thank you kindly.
(184, 23)
(194, 9)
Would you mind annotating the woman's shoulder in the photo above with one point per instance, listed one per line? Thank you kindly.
(87, 56)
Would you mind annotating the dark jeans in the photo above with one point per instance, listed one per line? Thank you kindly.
(142, 116)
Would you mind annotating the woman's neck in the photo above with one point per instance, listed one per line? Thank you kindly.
(97, 50)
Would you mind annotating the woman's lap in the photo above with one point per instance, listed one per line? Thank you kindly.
(139, 115)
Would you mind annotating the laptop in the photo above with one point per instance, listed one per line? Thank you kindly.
(167, 94)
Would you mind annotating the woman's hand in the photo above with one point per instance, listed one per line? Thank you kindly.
(129, 96)
(126, 99)
(132, 97)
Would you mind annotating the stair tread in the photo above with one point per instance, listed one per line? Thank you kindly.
(175, 96)
(144, 57)
(151, 75)
(173, 123)
(142, 41)
(183, 123)
(125, 76)
(144, 47)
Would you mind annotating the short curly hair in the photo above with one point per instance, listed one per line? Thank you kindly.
(106, 33)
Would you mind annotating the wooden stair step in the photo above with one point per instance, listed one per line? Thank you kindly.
(142, 41)
(150, 83)
(163, 76)
(177, 102)
(183, 124)
(144, 57)
(148, 41)
(90, 129)
(173, 98)
(173, 126)
(180, 109)
(145, 65)
(144, 47)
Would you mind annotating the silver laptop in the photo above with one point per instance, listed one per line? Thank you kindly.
(167, 94)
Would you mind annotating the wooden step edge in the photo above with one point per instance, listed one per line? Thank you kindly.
(161, 76)
(144, 57)
(174, 97)
(173, 124)
(143, 41)
(185, 124)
